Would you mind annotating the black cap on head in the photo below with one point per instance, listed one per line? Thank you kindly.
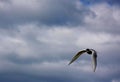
(89, 51)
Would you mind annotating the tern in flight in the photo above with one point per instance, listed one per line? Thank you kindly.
(91, 52)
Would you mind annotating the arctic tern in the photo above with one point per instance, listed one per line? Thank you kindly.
(91, 52)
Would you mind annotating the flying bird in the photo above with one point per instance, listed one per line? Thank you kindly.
(91, 52)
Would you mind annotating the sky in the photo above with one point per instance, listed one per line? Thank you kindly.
(38, 38)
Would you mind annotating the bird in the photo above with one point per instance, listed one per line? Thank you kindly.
(91, 52)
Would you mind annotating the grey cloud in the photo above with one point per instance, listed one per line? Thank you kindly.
(107, 21)
(44, 12)
(33, 52)
(40, 52)
(91, 2)
(54, 72)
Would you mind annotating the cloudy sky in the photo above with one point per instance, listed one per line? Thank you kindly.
(38, 38)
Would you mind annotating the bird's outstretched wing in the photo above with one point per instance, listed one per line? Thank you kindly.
(77, 55)
(94, 59)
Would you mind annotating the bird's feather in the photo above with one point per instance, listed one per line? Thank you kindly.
(94, 60)
(77, 55)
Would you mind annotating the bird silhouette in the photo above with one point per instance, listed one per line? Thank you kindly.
(91, 52)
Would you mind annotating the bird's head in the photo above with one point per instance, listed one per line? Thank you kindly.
(89, 51)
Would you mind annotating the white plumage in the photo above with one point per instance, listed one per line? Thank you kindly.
(91, 52)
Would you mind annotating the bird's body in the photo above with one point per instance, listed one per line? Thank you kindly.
(90, 52)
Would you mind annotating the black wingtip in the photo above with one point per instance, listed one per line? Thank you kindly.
(69, 63)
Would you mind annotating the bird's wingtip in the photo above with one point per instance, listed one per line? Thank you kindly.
(69, 63)
(94, 70)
